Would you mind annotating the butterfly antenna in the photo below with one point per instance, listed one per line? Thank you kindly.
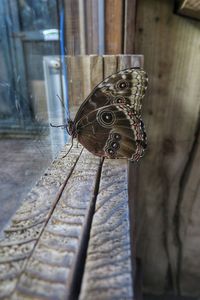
(63, 105)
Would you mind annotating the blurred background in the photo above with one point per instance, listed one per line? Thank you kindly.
(38, 42)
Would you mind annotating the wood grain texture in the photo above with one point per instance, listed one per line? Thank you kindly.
(108, 273)
(92, 27)
(109, 65)
(129, 26)
(114, 26)
(84, 73)
(78, 81)
(20, 238)
(170, 114)
(49, 270)
(189, 229)
(190, 8)
(73, 33)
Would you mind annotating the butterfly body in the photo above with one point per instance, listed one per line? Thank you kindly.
(108, 123)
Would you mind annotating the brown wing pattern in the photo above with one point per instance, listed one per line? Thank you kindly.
(108, 122)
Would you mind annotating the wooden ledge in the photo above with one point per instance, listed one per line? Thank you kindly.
(71, 237)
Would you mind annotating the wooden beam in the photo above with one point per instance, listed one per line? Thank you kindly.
(190, 8)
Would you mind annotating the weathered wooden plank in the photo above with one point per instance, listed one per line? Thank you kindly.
(84, 73)
(91, 26)
(96, 70)
(108, 272)
(20, 238)
(170, 113)
(113, 26)
(190, 8)
(109, 65)
(48, 273)
(73, 32)
(129, 26)
(127, 61)
(78, 81)
(189, 261)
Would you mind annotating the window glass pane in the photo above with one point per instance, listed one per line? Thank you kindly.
(30, 79)
(38, 15)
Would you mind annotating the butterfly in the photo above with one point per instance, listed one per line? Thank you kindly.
(108, 123)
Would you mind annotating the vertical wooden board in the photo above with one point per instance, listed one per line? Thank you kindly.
(96, 70)
(170, 115)
(82, 27)
(49, 272)
(129, 26)
(189, 262)
(108, 272)
(129, 61)
(113, 26)
(91, 27)
(109, 65)
(84, 76)
(78, 80)
(72, 27)
(21, 236)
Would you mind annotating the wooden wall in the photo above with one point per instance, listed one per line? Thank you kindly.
(168, 195)
(99, 26)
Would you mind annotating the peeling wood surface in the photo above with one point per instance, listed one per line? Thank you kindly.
(171, 113)
(108, 272)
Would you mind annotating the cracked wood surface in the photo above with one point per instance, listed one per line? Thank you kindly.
(108, 271)
(41, 250)
(20, 238)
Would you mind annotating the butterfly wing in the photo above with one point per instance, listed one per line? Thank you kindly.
(127, 86)
(108, 122)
